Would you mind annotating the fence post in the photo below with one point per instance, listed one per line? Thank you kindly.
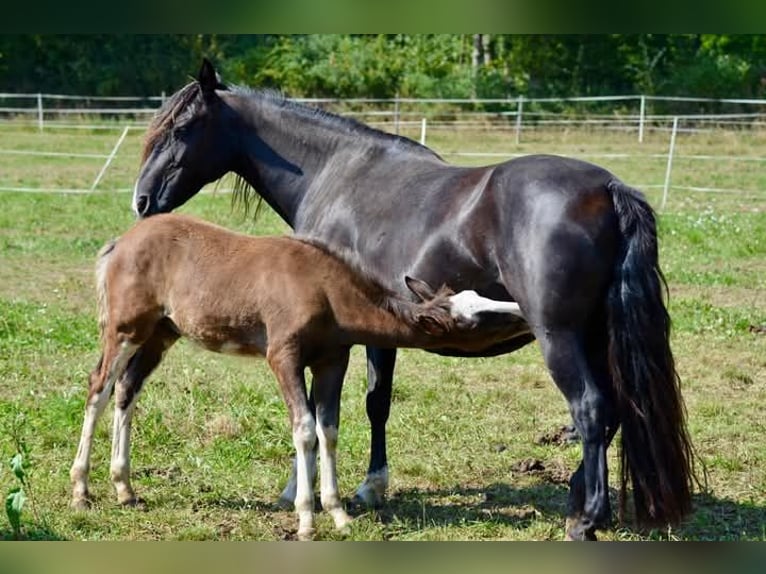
(519, 109)
(40, 112)
(110, 158)
(423, 131)
(396, 114)
(671, 151)
(641, 119)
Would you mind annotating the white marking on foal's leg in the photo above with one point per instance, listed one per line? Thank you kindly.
(468, 304)
(304, 438)
(328, 442)
(119, 469)
(373, 490)
(81, 466)
(287, 497)
(93, 411)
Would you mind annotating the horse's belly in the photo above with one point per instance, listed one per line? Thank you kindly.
(496, 330)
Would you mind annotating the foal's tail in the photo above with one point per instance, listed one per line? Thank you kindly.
(656, 451)
(102, 262)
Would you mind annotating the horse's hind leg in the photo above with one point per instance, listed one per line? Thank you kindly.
(600, 370)
(127, 389)
(591, 410)
(328, 382)
(110, 367)
(380, 376)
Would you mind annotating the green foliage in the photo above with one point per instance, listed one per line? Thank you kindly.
(19, 464)
(383, 65)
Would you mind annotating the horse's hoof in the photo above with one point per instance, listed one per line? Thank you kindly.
(372, 491)
(575, 532)
(285, 503)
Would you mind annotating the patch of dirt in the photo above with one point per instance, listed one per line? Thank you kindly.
(563, 436)
(554, 472)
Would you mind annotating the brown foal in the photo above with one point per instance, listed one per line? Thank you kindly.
(285, 298)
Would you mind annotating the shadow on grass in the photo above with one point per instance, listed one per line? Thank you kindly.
(31, 533)
(713, 518)
(501, 504)
(716, 518)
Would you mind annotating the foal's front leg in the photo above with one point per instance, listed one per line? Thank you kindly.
(283, 361)
(327, 386)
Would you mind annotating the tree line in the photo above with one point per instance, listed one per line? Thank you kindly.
(389, 65)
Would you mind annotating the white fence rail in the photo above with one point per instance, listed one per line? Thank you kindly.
(636, 114)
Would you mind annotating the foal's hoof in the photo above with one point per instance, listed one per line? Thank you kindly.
(575, 532)
(134, 503)
(80, 504)
(306, 535)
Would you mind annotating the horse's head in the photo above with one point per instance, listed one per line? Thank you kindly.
(186, 146)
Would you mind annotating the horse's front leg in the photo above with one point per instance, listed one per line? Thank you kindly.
(380, 377)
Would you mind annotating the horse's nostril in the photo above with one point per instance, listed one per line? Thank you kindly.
(142, 204)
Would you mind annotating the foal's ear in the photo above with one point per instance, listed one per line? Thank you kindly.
(420, 288)
(208, 79)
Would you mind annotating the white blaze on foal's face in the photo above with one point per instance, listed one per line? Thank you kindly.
(467, 305)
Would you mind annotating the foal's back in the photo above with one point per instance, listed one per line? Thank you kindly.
(224, 289)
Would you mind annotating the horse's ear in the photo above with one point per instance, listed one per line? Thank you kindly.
(208, 79)
(420, 288)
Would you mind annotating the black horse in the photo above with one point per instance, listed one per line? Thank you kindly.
(567, 240)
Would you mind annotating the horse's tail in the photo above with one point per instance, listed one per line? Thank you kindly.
(102, 262)
(656, 452)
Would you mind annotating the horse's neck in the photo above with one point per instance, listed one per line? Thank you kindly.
(288, 151)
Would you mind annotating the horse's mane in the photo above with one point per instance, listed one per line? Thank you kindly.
(180, 105)
(343, 123)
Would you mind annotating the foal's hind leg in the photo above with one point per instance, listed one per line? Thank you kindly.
(128, 387)
(110, 367)
(565, 357)
(327, 386)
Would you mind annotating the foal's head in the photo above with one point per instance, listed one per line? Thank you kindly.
(436, 314)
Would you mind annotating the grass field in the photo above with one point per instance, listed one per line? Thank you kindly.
(468, 458)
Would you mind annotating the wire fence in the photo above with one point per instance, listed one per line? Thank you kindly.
(667, 138)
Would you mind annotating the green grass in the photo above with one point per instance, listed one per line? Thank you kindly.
(211, 448)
